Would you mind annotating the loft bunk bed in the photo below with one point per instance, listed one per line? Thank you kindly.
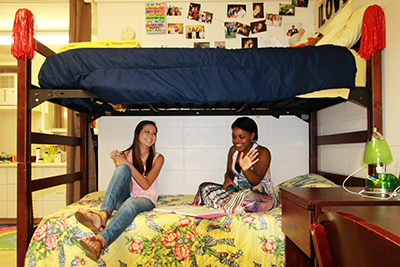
(82, 97)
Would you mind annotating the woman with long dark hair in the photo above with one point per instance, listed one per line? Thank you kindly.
(132, 190)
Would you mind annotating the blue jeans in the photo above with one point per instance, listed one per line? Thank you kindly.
(118, 197)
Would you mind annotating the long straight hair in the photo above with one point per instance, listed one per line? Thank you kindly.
(136, 158)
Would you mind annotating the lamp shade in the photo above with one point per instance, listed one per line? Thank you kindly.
(377, 151)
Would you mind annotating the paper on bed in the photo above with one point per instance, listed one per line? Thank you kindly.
(193, 211)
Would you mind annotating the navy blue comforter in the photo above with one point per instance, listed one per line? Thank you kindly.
(188, 75)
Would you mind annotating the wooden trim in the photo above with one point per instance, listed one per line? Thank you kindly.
(24, 166)
(84, 154)
(345, 138)
(313, 148)
(376, 84)
(44, 183)
(338, 179)
(43, 50)
(40, 138)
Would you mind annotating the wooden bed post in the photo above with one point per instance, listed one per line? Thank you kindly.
(24, 165)
(84, 154)
(313, 147)
(375, 111)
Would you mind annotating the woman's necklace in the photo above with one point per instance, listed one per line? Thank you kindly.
(144, 158)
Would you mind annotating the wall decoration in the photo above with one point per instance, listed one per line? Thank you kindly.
(174, 10)
(258, 26)
(249, 42)
(292, 28)
(236, 11)
(155, 17)
(273, 19)
(300, 3)
(206, 17)
(258, 10)
(201, 45)
(219, 44)
(175, 28)
(287, 10)
(242, 29)
(230, 29)
(194, 11)
(195, 32)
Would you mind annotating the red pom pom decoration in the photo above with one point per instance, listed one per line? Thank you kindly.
(373, 31)
(23, 44)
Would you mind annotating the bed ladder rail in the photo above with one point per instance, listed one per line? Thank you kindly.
(25, 185)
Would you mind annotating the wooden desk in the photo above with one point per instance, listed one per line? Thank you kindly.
(386, 217)
(302, 206)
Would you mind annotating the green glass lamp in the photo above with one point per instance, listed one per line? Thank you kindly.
(377, 153)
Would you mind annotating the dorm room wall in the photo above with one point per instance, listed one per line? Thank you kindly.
(346, 117)
(391, 80)
(196, 147)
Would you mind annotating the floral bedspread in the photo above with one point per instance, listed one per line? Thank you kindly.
(162, 239)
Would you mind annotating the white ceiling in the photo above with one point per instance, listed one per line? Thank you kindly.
(50, 16)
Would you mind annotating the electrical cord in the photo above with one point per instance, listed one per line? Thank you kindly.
(360, 193)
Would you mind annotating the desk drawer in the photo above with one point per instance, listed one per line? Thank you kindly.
(296, 225)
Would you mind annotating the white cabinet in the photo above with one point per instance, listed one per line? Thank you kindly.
(44, 201)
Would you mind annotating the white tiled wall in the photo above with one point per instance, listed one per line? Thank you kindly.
(342, 159)
(391, 81)
(196, 148)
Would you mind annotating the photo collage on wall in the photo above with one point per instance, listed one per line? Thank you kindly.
(196, 30)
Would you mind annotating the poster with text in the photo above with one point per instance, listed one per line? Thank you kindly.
(155, 17)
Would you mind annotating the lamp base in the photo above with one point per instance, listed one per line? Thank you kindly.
(376, 192)
(383, 186)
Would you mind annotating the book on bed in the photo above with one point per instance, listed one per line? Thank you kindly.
(193, 211)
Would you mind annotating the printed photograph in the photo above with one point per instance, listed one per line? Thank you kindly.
(175, 28)
(258, 10)
(230, 29)
(273, 19)
(258, 26)
(206, 17)
(300, 3)
(174, 10)
(286, 10)
(236, 11)
(242, 29)
(292, 28)
(195, 32)
(201, 45)
(249, 42)
(194, 11)
(219, 44)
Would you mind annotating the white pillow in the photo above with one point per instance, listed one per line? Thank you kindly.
(352, 31)
(336, 25)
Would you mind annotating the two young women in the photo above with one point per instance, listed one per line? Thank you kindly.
(247, 186)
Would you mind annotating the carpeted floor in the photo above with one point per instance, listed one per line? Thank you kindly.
(8, 237)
